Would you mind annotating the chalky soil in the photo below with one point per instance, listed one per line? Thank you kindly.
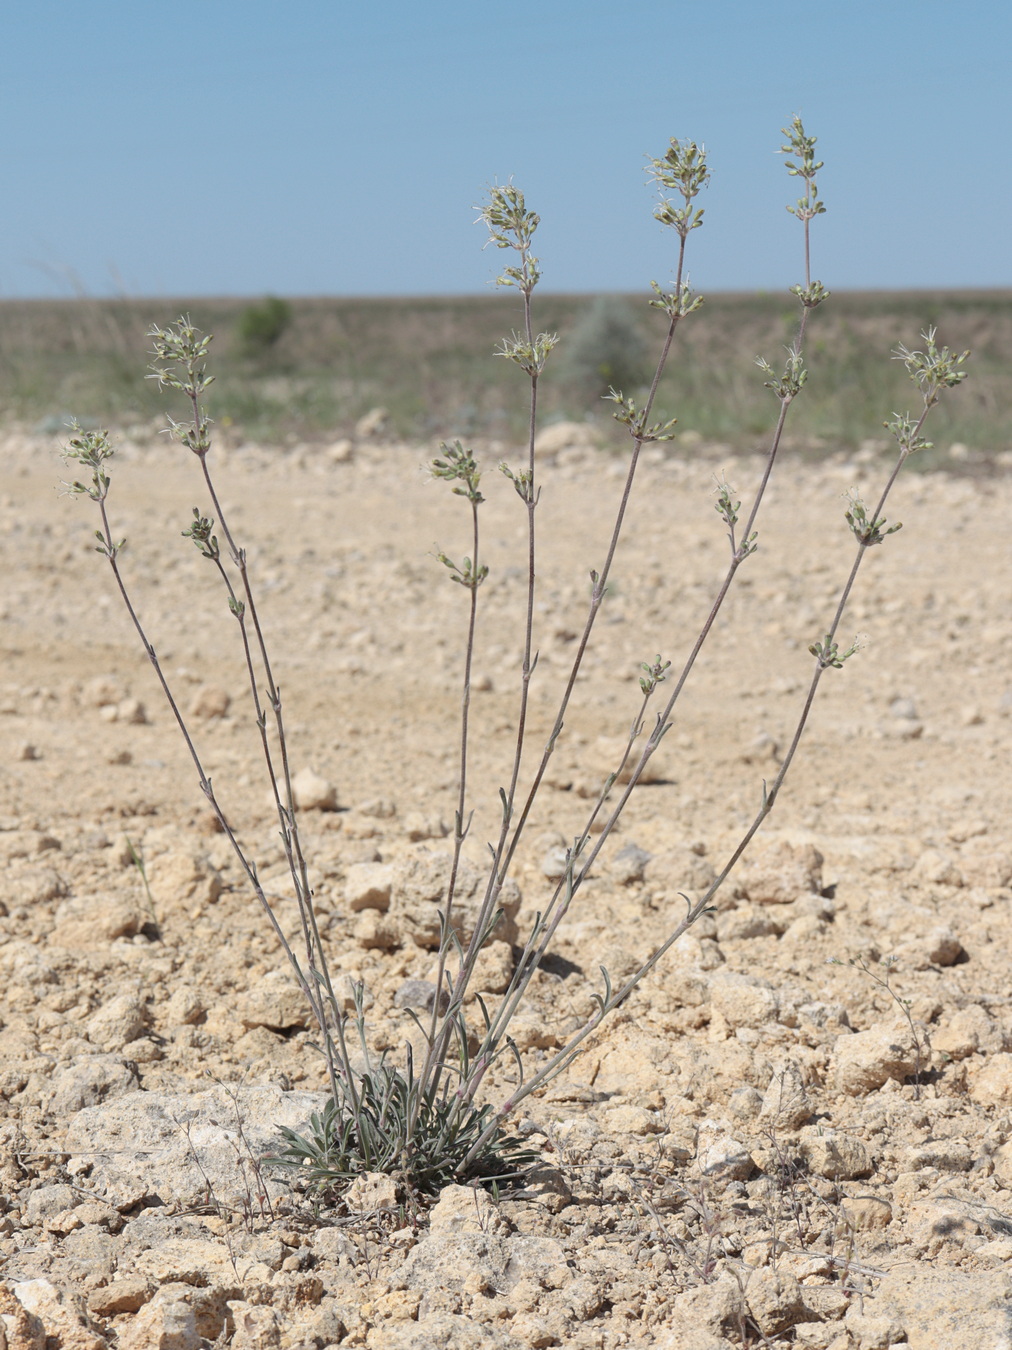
(743, 1149)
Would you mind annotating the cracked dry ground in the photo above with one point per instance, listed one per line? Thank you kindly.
(744, 1155)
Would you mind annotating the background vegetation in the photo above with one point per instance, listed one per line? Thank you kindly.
(309, 367)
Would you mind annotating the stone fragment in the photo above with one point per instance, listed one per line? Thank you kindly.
(991, 1084)
(715, 1308)
(559, 436)
(186, 1007)
(626, 1119)
(125, 1295)
(94, 920)
(866, 1059)
(116, 1022)
(150, 1143)
(312, 792)
(62, 1314)
(256, 1327)
(743, 1000)
(948, 1309)
(831, 1154)
(865, 1213)
(417, 994)
(371, 424)
(87, 1081)
(419, 893)
(210, 702)
(786, 1104)
(341, 451)
(276, 1003)
(629, 864)
(161, 1326)
(48, 1201)
(493, 970)
(376, 931)
(19, 1329)
(179, 879)
(606, 755)
(775, 1300)
(938, 947)
(370, 1192)
(777, 873)
(546, 1186)
(721, 1155)
(465, 1209)
(368, 886)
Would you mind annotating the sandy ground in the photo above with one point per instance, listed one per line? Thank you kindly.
(746, 1154)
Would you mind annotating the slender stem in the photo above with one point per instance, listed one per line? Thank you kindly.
(504, 853)
(560, 902)
(287, 816)
(307, 987)
(559, 1061)
(526, 668)
(506, 848)
(567, 889)
(433, 1064)
(597, 598)
(439, 1042)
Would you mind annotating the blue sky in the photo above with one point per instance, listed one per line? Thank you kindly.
(245, 147)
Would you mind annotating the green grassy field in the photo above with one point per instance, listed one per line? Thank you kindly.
(430, 362)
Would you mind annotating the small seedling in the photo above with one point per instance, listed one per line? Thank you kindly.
(137, 858)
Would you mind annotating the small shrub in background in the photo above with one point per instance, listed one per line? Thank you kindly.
(427, 1115)
(261, 326)
(606, 350)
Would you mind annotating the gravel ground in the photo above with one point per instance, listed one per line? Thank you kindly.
(759, 1148)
